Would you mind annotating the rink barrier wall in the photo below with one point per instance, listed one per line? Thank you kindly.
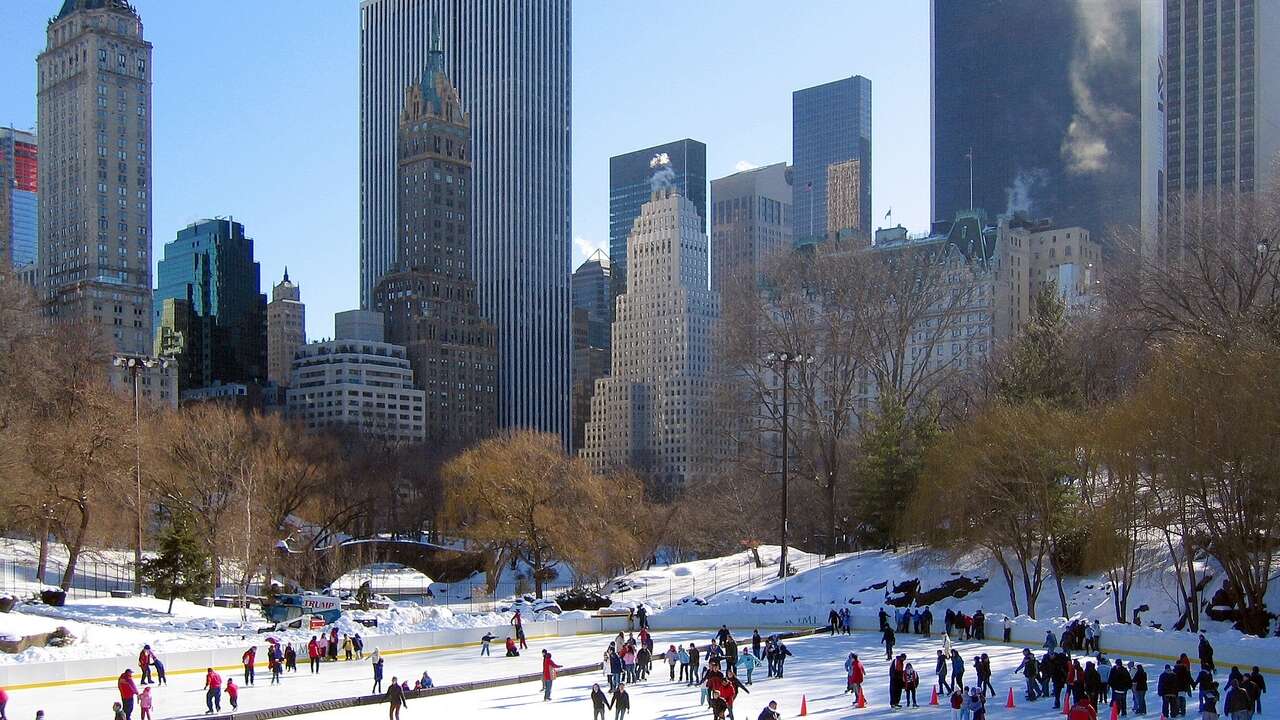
(1025, 634)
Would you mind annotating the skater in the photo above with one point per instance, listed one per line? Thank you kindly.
(333, 645)
(599, 703)
(484, 643)
(1121, 683)
(642, 615)
(395, 699)
(682, 656)
(426, 682)
(780, 654)
(233, 693)
(857, 675)
(1167, 689)
(144, 664)
(833, 622)
(673, 659)
(957, 670)
(957, 703)
(770, 711)
(1030, 670)
(910, 681)
(1050, 641)
(1237, 703)
(1082, 710)
(755, 643)
(1258, 689)
(128, 691)
(1205, 651)
(621, 702)
(517, 622)
(887, 639)
(693, 664)
(144, 704)
(1209, 701)
(616, 666)
(376, 659)
(275, 663)
(212, 691)
(247, 660)
(314, 653)
(980, 627)
(348, 647)
(290, 658)
(117, 709)
(1139, 690)
(357, 642)
(549, 668)
(511, 648)
(748, 662)
(942, 668)
(1008, 629)
(983, 672)
(897, 672)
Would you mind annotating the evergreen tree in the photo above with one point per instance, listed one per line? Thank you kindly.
(892, 458)
(1038, 365)
(181, 570)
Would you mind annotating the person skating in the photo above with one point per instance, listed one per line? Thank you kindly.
(897, 669)
(599, 703)
(616, 667)
(212, 691)
(247, 660)
(672, 656)
(887, 638)
(957, 703)
(511, 648)
(376, 659)
(275, 663)
(780, 655)
(833, 622)
(770, 712)
(910, 681)
(1139, 690)
(145, 703)
(517, 622)
(747, 662)
(1008, 629)
(1082, 710)
(1209, 701)
(738, 688)
(144, 664)
(1237, 704)
(982, 671)
(484, 643)
(1205, 651)
(1260, 686)
(694, 663)
(333, 644)
(549, 668)
(621, 702)
(1167, 689)
(957, 669)
(313, 654)
(425, 681)
(1121, 683)
(117, 710)
(395, 699)
(1182, 675)
(128, 691)
(1030, 670)
(682, 656)
(233, 693)
(348, 648)
(756, 640)
(926, 622)
(980, 628)
(357, 642)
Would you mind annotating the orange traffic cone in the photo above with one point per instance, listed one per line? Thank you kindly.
(934, 700)
(804, 706)
(1009, 702)
(862, 699)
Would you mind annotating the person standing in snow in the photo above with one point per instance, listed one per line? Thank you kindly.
(212, 691)
(247, 660)
(128, 691)
(395, 700)
(887, 639)
(549, 668)
(144, 705)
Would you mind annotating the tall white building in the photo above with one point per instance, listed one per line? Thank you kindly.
(357, 383)
(654, 412)
(510, 61)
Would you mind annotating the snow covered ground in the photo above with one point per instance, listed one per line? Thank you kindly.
(815, 673)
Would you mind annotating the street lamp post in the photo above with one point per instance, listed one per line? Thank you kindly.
(134, 365)
(785, 360)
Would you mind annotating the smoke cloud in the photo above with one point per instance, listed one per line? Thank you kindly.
(1020, 196)
(1101, 51)
(663, 176)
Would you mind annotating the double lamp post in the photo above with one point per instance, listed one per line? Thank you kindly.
(134, 365)
(785, 360)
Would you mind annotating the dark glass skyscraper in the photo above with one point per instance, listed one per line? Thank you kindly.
(1044, 103)
(830, 126)
(630, 187)
(210, 313)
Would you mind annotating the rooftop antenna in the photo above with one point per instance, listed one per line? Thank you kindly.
(969, 156)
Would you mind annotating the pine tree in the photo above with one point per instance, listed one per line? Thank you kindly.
(181, 570)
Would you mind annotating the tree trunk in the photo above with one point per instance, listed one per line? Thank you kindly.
(42, 561)
(73, 550)
(1008, 581)
(1057, 580)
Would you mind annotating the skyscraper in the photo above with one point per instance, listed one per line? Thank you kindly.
(286, 329)
(830, 124)
(429, 294)
(19, 207)
(94, 108)
(1047, 109)
(630, 187)
(210, 314)
(592, 317)
(1222, 97)
(750, 221)
(654, 412)
(510, 61)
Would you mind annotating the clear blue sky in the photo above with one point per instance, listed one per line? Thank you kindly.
(256, 115)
